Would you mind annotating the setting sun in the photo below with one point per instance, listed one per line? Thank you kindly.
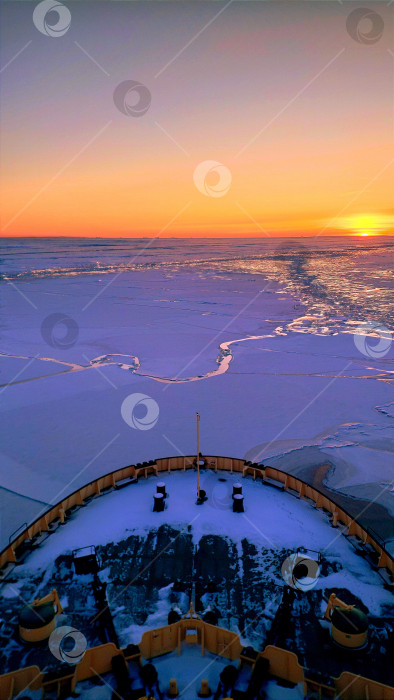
(85, 162)
(367, 224)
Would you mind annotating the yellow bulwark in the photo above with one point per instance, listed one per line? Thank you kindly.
(192, 630)
(283, 665)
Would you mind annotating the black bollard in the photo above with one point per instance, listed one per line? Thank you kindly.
(237, 488)
(161, 488)
(158, 504)
(238, 503)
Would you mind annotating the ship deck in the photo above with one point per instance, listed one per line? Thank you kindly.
(189, 669)
(231, 563)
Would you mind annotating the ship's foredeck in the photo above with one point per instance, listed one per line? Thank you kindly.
(229, 563)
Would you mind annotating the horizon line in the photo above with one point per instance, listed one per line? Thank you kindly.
(340, 235)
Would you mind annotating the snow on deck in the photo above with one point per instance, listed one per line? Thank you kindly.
(272, 519)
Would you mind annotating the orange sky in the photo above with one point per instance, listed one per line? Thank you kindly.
(279, 93)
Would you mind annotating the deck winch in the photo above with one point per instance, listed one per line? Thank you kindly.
(349, 625)
(37, 620)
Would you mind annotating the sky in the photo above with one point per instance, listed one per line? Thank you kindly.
(256, 119)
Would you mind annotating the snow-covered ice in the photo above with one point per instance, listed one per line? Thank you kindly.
(214, 335)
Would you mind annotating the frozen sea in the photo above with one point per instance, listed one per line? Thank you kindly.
(282, 345)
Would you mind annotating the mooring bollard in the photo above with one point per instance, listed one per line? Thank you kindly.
(237, 489)
(205, 691)
(158, 503)
(238, 503)
(161, 488)
(173, 689)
